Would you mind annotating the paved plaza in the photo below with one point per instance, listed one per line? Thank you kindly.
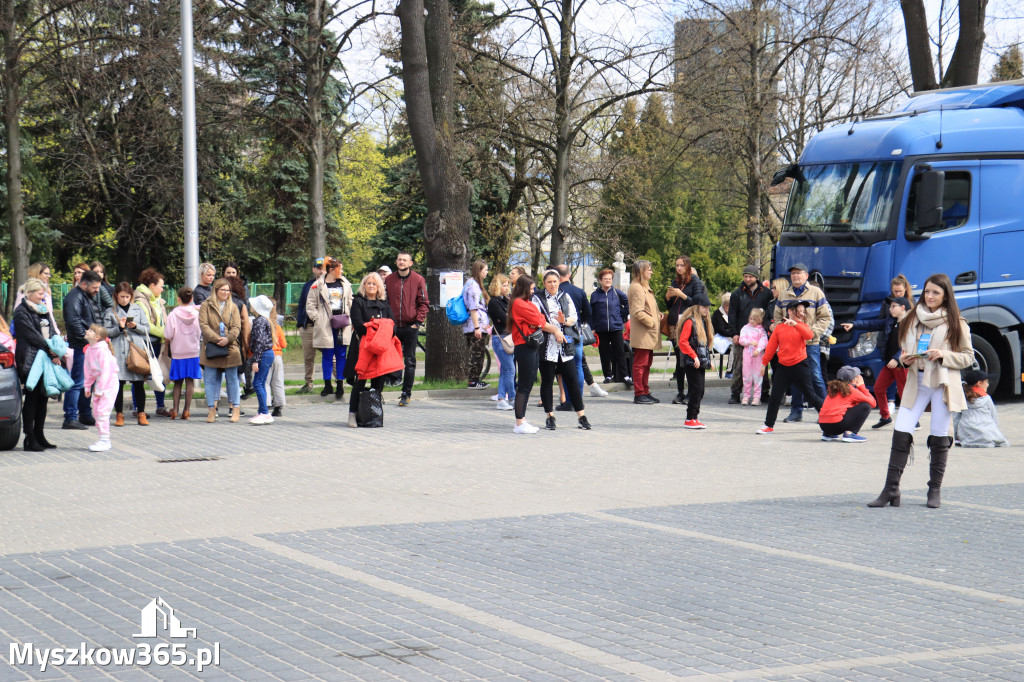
(444, 547)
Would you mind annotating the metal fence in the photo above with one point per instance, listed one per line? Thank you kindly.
(292, 291)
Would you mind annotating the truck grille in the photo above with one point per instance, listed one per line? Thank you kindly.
(843, 294)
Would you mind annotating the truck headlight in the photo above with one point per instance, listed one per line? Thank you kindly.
(866, 344)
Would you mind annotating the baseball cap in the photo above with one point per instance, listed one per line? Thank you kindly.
(847, 373)
(798, 266)
(973, 376)
(386, 269)
(318, 263)
(702, 299)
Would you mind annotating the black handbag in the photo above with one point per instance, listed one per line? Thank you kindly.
(215, 351)
(370, 414)
(587, 334)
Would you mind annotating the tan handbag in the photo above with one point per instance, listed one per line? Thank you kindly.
(137, 361)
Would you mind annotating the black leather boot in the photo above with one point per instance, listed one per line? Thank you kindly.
(339, 391)
(898, 456)
(939, 446)
(328, 389)
(31, 445)
(41, 439)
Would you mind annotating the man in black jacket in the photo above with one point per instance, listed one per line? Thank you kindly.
(751, 294)
(582, 303)
(80, 312)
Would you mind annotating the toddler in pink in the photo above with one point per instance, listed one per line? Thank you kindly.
(101, 382)
(754, 339)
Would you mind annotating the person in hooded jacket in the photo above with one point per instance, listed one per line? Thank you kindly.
(149, 295)
(610, 310)
(127, 323)
(371, 302)
(184, 335)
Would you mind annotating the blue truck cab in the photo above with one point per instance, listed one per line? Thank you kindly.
(936, 186)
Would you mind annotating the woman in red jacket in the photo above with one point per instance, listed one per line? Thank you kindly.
(846, 407)
(525, 318)
(789, 338)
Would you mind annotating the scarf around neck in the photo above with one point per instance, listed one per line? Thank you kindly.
(935, 374)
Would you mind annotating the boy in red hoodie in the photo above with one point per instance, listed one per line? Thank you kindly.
(789, 339)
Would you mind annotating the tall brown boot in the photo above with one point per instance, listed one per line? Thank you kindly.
(898, 456)
(939, 446)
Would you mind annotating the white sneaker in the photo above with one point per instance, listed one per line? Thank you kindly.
(505, 405)
(892, 407)
(100, 446)
(494, 397)
(525, 427)
(597, 391)
(261, 419)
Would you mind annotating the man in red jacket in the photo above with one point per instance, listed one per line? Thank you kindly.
(407, 296)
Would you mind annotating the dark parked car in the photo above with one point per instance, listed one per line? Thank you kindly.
(10, 401)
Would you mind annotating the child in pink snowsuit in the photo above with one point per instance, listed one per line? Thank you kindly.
(101, 381)
(754, 339)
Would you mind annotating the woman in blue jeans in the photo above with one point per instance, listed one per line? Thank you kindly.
(220, 350)
(261, 344)
(497, 310)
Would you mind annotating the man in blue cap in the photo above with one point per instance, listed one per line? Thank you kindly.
(306, 327)
(819, 318)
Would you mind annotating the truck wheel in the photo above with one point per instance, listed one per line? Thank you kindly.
(987, 360)
(10, 435)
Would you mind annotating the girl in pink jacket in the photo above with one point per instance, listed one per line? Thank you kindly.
(754, 339)
(184, 336)
(101, 382)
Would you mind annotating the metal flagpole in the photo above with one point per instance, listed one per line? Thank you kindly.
(188, 106)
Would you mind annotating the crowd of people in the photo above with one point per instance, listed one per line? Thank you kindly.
(773, 335)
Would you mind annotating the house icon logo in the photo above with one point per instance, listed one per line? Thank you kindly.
(158, 619)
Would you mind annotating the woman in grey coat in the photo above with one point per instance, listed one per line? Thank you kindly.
(127, 323)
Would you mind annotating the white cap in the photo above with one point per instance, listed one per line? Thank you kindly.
(261, 305)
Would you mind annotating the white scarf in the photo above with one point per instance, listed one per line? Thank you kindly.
(935, 374)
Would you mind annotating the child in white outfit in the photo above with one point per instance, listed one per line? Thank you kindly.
(754, 339)
(978, 425)
(101, 382)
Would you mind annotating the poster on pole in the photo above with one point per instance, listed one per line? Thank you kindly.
(451, 285)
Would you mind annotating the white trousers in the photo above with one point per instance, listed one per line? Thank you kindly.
(908, 416)
(276, 382)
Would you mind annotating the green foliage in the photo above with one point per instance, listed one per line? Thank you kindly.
(1010, 65)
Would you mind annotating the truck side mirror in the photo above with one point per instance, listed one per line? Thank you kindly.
(790, 171)
(928, 207)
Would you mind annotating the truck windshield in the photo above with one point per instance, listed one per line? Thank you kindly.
(844, 197)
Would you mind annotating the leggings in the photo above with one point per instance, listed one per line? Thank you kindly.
(695, 376)
(332, 360)
(138, 393)
(527, 360)
(567, 370)
(853, 421)
(908, 415)
(799, 375)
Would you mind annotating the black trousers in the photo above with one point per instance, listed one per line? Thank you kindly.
(33, 411)
(567, 370)
(138, 394)
(407, 336)
(798, 375)
(526, 365)
(357, 388)
(680, 374)
(853, 421)
(614, 357)
(696, 378)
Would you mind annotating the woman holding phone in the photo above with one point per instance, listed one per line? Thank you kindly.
(126, 324)
(936, 343)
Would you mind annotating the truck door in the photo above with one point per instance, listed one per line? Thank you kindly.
(954, 246)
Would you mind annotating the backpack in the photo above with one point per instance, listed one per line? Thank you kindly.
(456, 310)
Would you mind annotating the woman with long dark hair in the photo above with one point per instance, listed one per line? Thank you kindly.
(525, 318)
(477, 327)
(681, 295)
(936, 343)
(644, 333)
(127, 323)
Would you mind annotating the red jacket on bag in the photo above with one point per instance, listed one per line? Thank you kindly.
(380, 351)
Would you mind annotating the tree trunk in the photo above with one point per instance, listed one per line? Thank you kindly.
(428, 77)
(966, 61)
(563, 141)
(21, 248)
(918, 45)
(315, 153)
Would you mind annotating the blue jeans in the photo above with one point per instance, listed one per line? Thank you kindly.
(75, 402)
(578, 353)
(507, 373)
(814, 362)
(332, 360)
(259, 380)
(211, 379)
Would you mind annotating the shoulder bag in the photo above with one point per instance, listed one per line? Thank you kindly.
(156, 373)
(587, 334)
(137, 360)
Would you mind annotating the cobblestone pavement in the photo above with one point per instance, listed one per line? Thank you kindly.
(444, 547)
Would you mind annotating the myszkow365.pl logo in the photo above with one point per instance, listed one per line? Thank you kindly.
(158, 620)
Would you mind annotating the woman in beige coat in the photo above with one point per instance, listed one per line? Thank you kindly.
(328, 307)
(644, 330)
(936, 344)
(221, 325)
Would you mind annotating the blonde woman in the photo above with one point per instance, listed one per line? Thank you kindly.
(695, 354)
(497, 310)
(645, 330)
(369, 303)
(40, 271)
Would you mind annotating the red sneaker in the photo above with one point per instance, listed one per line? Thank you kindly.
(693, 424)
(765, 430)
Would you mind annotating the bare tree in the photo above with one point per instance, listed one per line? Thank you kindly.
(965, 62)
(428, 65)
